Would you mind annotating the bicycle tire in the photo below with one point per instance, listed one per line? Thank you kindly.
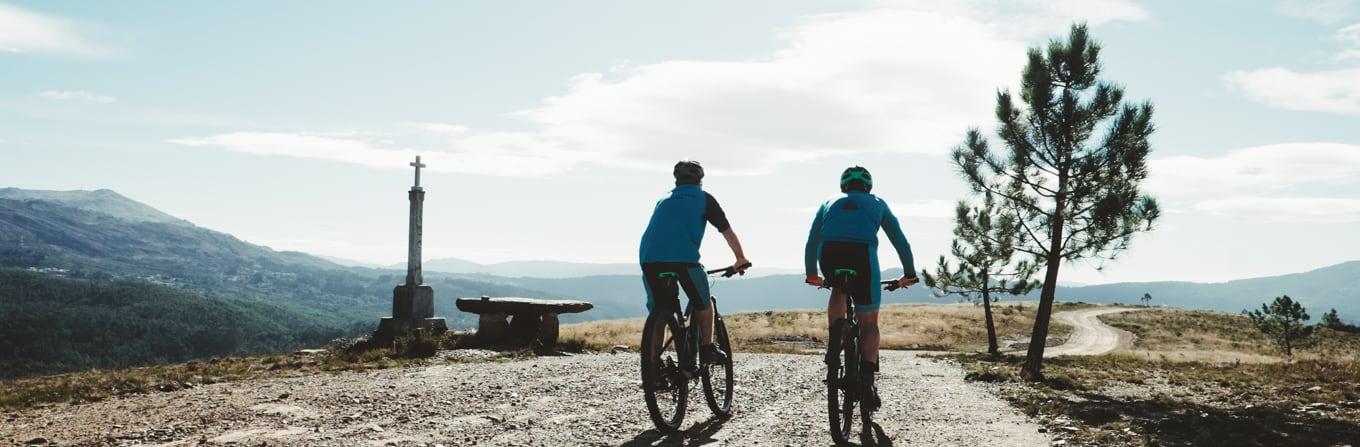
(720, 405)
(842, 378)
(657, 371)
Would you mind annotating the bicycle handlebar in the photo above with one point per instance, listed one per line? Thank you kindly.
(730, 272)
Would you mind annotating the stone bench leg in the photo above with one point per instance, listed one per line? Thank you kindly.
(524, 326)
(492, 327)
(547, 331)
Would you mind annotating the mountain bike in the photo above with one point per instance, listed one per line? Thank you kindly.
(670, 350)
(844, 388)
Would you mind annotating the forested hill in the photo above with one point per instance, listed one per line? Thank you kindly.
(59, 324)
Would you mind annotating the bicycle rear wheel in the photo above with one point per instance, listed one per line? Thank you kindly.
(664, 384)
(718, 379)
(842, 378)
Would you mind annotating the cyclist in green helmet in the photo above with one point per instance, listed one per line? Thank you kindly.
(844, 235)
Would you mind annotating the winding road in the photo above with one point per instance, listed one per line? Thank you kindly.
(1090, 336)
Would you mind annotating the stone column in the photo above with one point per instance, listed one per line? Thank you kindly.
(414, 238)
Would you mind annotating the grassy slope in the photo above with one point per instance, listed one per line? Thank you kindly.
(939, 327)
(1192, 378)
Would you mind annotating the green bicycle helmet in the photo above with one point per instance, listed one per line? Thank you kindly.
(856, 178)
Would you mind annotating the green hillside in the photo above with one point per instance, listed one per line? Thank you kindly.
(58, 324)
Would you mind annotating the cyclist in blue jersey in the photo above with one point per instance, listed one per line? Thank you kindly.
(671, 244)
(845, 235)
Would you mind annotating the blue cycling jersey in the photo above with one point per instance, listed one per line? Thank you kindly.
(677, 226)
(856, 217)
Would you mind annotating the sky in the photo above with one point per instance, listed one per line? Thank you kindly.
(549, 128)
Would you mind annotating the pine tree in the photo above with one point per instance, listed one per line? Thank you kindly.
(984, 248)
(1283, 322)
(1147, 298)
(1076, 194)
(1331, 320)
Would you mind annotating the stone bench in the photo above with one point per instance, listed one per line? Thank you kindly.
(530, 318)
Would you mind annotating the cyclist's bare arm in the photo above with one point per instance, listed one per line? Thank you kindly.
(735, 245)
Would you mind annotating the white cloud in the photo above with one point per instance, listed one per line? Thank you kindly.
(1095, 11)
(77, 95)
(883, 80)
(441, 128)
(1326, 12)
(1349, 36)
(1273, 168)
(1335, 91)
(1263, 183)
(502, 154)
(23, 31)
(1285, 209)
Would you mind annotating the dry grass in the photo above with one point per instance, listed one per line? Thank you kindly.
(1193, 378)
(934, 327)
(1215, 337)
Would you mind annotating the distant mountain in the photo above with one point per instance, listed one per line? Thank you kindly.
(548, 269)
(103, 201)
(516, 269)
(1334, 287)
(352, 263)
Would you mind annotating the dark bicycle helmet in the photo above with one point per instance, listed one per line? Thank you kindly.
(688, 171)
(856, 178)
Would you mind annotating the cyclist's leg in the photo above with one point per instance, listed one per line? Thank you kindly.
(868, 314)
(835, 307)
(696, 287)
(658, 297)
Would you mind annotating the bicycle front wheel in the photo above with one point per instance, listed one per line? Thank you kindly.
(718, 379)
(664, 383)
(842, 378)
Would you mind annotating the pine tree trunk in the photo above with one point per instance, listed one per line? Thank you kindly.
(991, 328)
(1034, 359)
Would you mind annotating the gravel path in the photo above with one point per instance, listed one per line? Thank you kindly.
(1090, 336)
(577, 400)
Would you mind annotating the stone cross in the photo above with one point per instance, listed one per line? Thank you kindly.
(412, 302)
(413, 274)
(417, 164)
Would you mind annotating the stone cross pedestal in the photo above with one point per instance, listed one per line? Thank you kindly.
(412, 302)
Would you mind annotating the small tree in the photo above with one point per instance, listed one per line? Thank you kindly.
(1283, 322)
(983, 247)
(1331, 320)
(1075, 193)
(1147, 298)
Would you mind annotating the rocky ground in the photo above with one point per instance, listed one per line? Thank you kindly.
(574, 400)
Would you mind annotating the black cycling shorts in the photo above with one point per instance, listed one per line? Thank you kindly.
(855, 256)
(689, 277)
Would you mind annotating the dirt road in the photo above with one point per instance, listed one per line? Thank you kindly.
(1090, 336)
(579, 400)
